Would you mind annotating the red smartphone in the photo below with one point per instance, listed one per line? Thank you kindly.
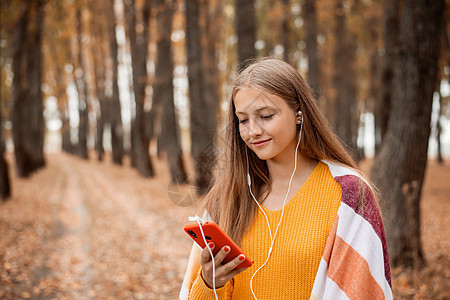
(213, 233)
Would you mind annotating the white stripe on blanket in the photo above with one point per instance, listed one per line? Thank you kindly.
(359, 234)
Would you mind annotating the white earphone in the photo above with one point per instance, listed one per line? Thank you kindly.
(200, 225)
(249, 181)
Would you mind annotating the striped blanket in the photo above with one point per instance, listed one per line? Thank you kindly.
(355, 263)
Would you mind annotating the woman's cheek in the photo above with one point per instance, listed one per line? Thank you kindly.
(243, 133)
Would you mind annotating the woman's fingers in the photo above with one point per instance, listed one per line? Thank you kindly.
(221, 255)
(223, 273)
(205, 257)
(230, 268)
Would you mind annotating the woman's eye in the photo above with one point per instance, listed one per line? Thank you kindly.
(242, 121)
(267, 116)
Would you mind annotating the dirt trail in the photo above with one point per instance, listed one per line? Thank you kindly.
(91, 230)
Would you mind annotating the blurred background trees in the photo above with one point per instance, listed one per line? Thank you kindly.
(146, 80)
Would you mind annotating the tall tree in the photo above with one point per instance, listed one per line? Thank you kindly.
(440, 158)
(390, 38)
(139, 49)
(310, 17)
(345, 118)
(446, 48)
(285, 30)
(170, 136)
(57, 42)
(99, 66)
(202, 132)
(115, 116)
(245, 29)
(399, 168)
(5, 187)
(27, 113)
(80, 80)
(212, 24)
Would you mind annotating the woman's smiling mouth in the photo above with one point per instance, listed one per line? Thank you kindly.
(260, 143)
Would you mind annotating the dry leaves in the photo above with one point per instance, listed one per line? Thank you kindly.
(88, 230)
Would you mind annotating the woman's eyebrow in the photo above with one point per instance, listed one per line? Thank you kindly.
(263, 108)
(256, 110)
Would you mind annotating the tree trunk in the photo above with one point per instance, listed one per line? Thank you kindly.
(285, 31)
(67, 145)
(212, 25)
(399, 168)
(170, 136)
(390, 40)
(245, 29)
(5, 187)
(202, 147)
(440, 159)
(139, 50)
(310, 17)
(81, 84)
(114, 102)
(99, 66)
(346, 112)
(27, 113)
(374, 79)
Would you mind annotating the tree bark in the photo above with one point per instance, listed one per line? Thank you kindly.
(346, 112)
(27, 113)
(440, 158)
(81, 84)
(446, 48)
(5, 187)
(245, 29)
(390, 40)
(374, 79)
(310, 17)
(67, 144)
(114, 101)
(285, 30)
(59, 47)
(99, 66)
(170, 136)
(139, 50)
(212, 25)
(202, 133)
(399, 168)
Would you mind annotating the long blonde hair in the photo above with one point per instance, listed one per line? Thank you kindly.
(229, 202)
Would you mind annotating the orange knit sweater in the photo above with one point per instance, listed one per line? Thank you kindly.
(299, 244)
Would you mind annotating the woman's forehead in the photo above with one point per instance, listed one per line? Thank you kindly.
(250, 100)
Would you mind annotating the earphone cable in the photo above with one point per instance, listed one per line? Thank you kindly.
(272, 239)
(212, 256)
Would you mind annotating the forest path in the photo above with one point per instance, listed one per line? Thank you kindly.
(87, 230)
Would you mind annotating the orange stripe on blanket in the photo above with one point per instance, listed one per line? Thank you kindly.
(350, 271)
(330, 241)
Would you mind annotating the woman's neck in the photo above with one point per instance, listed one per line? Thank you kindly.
(280, 172)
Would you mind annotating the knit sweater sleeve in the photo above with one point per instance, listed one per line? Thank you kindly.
(200, 290)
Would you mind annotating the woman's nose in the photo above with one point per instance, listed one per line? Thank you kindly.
(254, 129)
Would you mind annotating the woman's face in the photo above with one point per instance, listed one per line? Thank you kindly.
(266, 124)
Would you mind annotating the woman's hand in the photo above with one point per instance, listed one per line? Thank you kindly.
(223, 272)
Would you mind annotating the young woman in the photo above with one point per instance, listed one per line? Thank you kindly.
(290, 196)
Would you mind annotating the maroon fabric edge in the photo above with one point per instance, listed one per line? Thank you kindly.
(351, 189)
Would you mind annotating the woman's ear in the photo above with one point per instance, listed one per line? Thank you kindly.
(299, 117)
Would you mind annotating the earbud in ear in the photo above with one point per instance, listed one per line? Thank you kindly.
(299, 117)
